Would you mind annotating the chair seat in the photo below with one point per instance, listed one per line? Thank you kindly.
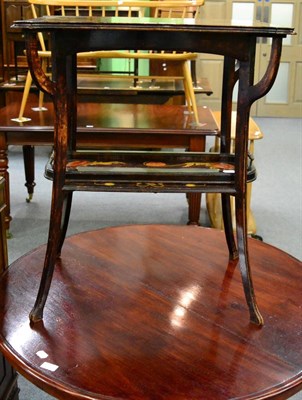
(146, 171)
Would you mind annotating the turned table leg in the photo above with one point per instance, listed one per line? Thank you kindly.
(29, 168)
(4, 173)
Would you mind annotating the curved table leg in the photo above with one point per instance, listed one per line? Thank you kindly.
(65, 219)
(244, 262)
(52, 252)
(228, 225)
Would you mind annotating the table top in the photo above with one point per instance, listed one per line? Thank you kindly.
(187, 24)
(155, 311)
(235, 39)
(128, 119)
(102, 84)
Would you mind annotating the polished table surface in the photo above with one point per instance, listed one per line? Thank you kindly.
(155, 312)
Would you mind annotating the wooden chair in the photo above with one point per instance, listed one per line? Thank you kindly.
(139, 8)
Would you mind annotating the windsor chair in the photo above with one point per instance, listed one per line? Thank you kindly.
(166, 9)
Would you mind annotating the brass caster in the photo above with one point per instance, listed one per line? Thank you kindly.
(35, 316)
(29, 198)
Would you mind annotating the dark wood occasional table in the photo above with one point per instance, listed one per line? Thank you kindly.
(155, 312)
(235, 40)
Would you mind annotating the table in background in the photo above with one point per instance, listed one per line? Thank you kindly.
(107, 125)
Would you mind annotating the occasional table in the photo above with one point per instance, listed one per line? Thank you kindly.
(155, 312)
(226, 172)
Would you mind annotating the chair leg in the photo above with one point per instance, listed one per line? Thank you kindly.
(26, 90)
(41, 101)
(41, 94)
(228, 225)
(241, 228)
(189, 90)
(55, 240)
(187, 97)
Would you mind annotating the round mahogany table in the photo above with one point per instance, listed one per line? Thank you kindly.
(155, 312)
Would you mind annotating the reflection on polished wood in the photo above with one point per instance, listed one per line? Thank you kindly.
(164, 120)
(155, 312)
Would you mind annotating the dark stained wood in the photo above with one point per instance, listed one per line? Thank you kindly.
(156, 312)
(145, 171)
(235, 41)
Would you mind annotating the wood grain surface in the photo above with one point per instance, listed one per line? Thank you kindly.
(155, 312)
